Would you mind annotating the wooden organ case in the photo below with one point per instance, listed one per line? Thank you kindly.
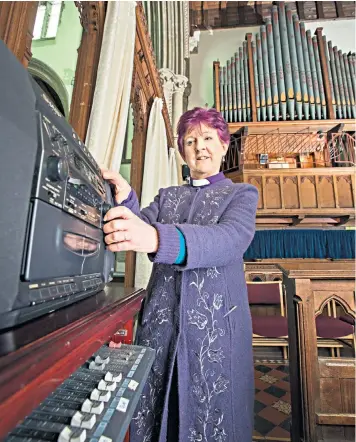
(38, 356)
(289, 99)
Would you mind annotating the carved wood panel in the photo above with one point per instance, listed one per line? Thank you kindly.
(92, 18)
(17, 20)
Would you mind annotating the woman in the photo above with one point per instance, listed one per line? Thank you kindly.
(196, 315)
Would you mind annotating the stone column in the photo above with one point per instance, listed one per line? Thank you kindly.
(167, 76)
(180, 84)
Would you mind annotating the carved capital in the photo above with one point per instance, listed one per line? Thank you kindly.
(167, 78)
(89, 14)
(180, 83)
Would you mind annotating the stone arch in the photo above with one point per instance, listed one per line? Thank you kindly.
(40, 70)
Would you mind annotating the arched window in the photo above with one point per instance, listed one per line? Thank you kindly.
(51, 84)
(47, 19)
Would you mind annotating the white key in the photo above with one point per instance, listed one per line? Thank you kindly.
(68, 435)
(101, 396)
(90, 407)
(81, 421)
(100, 360)
(113, 378)
(94, 366)
(107, 386)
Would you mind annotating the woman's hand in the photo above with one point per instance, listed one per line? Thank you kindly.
(122, 187)
(126, 231)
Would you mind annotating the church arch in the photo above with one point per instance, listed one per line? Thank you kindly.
(42, 73)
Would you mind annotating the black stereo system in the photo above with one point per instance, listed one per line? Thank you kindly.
(52, 202)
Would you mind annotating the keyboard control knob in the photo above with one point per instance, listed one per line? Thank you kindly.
(80, 420)
(102, 396)
(100, 360)
(105, 208)
(94, 407)
(107, 386)
(57, 168)
(94, 366)
(109, 377)
(72, 435)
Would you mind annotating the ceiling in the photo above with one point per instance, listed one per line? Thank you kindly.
(230, 14)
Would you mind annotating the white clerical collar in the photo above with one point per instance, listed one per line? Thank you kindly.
(199, 183)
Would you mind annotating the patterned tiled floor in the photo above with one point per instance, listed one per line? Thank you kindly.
(272, 402)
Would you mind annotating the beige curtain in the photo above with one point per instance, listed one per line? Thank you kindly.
(173, 168)
(108, 118)
(156, 175)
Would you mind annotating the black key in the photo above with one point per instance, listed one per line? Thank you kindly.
(55, 418)
(64, 394)
(34, 434)
(49, 403)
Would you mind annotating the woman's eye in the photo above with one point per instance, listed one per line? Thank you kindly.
(208, 138)
(189, 143)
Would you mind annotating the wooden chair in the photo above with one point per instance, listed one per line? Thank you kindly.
(269, 330)
(335, 327)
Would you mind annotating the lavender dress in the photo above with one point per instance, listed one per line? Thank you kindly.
(196, 316)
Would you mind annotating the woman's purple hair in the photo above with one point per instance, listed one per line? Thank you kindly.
(198, 116)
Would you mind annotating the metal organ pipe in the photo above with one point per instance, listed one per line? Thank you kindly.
(279, 62)
(294, 63)
(266, 72)
(261, 81)
(302, 74)
(272, 67)
(287, 72)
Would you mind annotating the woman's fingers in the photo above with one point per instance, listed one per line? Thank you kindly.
(120, 247)
(117, 237)
(116, 225)
(121, 212)
(113, 177)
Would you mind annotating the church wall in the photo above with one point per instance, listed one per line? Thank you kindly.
(60, 53)
(221, 44)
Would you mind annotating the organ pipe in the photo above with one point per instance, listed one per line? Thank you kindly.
(287, 69)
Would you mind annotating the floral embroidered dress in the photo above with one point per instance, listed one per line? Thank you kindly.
(196, 315)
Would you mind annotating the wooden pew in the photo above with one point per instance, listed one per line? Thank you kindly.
(322, 389)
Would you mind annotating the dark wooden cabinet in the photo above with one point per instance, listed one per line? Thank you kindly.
(43, 353)
(322, 389)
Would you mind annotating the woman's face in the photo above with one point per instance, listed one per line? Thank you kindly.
(203, 151)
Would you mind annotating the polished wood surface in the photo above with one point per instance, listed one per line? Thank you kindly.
(92, 17)
(322, 389)
(324, 192)
(29, 374)
(17, 20)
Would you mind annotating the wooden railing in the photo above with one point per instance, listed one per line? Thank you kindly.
(328, 191)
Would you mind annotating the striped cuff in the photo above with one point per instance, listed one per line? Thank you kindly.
(182, 249)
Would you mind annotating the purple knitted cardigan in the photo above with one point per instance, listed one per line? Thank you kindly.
(197, 315)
